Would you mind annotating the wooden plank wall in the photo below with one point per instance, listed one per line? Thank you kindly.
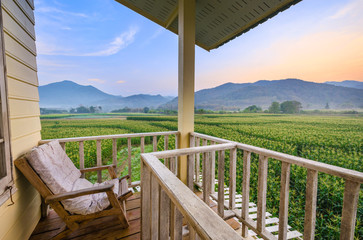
(18, 221)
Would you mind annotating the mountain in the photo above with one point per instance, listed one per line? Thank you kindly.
(347, 83)
(234, 96)
(68, 94)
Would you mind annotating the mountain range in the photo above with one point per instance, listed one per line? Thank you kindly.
(229, 96)
(68, 94)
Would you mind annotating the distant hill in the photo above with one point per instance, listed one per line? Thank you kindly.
(234, 96)
(68, 94)
(348, 83)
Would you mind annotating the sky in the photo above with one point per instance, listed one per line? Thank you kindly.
(106, 45)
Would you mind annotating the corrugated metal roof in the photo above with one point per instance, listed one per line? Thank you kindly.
(217, 21)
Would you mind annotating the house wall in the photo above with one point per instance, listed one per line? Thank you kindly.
(18, 221)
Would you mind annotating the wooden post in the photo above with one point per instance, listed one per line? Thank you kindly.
(310, 204)
(81, 157)
(213, 169)
(221, 183)
(232, 178)
(145, 202)
(114, 153)
(197, 162)
(349, 214)
(164, 215)
(261, 194)
(246, 190)
(155, 143)
(284, 200)
(129, 152)
(155, 191)
(99, 160)
(186, 63)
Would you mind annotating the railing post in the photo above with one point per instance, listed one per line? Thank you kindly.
(232, 178)
(155, 191)
(284, 200)
(99, 160)
(221, 183)
(190, 182)
(145, 202)
(310, 204)
(155, 143)
(213, 169)
(349, 212)
(129, 152)
(166, 147)
(81, 157)
(114, 153)
(197, 162)
(142, 144)
(206, 177)
(261, 196)
(246, 190)
(164, 215)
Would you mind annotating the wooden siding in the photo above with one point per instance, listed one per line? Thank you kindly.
(19, 220)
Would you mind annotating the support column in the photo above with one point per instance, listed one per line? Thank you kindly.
(186, 59)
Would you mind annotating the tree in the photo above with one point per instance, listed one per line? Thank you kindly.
(291, 107)
(327, 106)
(92, 109)
(83, 109)
(252, 109)
(274, 108)
(146, 109)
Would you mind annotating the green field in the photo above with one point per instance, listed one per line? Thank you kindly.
(336, 140)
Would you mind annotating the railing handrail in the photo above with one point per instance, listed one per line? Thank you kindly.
(345, 173)
(126, 135)
(203, 220)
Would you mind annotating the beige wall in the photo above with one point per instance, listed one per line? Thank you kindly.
(18, 221)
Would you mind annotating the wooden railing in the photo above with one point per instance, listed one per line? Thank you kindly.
(114, 138)
(353, 180)
(166, 201)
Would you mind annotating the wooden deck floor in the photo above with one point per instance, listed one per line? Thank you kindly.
(102, 228)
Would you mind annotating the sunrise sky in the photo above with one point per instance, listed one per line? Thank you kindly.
(104, 44)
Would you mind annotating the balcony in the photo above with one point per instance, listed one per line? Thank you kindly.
(208, 206)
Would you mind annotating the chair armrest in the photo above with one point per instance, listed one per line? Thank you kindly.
(110, 168)
(92, 169)
(78, 193)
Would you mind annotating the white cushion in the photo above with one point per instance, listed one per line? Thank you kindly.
(60, 175)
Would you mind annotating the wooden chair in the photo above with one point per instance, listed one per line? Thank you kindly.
(75, 221)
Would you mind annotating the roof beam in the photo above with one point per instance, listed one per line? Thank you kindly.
(172, 17)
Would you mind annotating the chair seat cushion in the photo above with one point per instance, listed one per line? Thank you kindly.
(89, 203)
(58, 172)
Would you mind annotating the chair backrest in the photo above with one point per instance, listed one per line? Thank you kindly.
(54, 167)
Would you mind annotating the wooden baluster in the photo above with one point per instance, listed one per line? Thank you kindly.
(191, 164)
(145, 202)
(191, 233)
(349, 212)
(246, 190)
(232, 178)
(206, 177)
(63, 145)
(114, 153)
(129, 152)
(310, 204)
(197, 162)
(190, 173)
(261, 195)
(155, 143)
(284, 200)
(166, 147)
(81, 157)
(175, 160)
(99, 160)
(155, 191)
(164, 215)
(142, 144)
(176, 223)
(221, 162)
(213, 169)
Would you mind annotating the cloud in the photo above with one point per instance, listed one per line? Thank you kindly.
(353, 8)
(96, 80)
(119, 43)
(62, 12)
(120, 82)
(116, 45)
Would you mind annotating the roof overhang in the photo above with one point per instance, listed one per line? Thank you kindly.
(217, 21)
